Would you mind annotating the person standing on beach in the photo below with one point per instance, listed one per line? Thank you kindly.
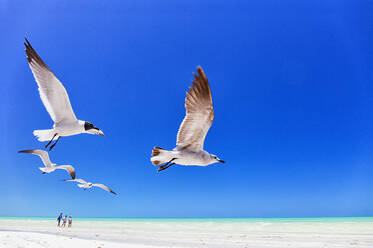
(64, 221)
(70, 221)
(59, 219)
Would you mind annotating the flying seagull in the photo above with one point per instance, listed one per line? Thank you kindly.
(86, 185)
(193, 129)
(49, 166)
(56, 102)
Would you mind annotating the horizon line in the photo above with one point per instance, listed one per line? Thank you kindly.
(297, 217)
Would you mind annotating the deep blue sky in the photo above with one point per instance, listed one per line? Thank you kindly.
(292, 90)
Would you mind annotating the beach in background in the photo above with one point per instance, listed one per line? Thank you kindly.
(222, 232)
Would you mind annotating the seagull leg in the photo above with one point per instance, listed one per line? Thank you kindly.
(166, 165)
(51, 147)
(50, 140)
(163, 167)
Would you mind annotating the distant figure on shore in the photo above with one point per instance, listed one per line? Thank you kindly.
(64, 221)
(70, 221)
(59, 219)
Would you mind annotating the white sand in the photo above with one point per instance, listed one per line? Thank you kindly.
(147, 234)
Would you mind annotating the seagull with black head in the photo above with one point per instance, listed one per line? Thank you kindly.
(56, 101)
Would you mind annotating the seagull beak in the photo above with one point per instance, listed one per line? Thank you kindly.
(95, 131)
(221, 161)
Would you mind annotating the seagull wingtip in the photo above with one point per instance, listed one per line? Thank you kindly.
(27, 43)
(200, 71)
(24, 151)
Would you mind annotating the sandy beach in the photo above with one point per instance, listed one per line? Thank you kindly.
(145, 233)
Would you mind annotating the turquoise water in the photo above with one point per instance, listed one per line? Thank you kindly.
(316, 219)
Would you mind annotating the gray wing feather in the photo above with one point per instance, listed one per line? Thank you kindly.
(199, 114)
(103, 187)
(42, 154)
(52, 93)
(68, 168)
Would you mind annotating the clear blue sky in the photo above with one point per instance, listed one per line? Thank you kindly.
(292, 91)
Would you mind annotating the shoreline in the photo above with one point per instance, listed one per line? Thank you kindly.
(207, 219)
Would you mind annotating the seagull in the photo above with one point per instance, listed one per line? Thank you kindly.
(56, 102)
(86, 185)
(192, 131)
(49, 166)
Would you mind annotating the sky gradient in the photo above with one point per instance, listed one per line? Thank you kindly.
(292, 90)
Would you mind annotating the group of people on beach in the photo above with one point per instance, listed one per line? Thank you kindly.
(64, 219)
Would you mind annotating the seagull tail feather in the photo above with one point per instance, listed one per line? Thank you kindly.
(44, 135)
(160, 156)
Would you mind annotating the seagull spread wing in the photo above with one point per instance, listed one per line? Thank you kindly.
(42, 154)
(199, 114)
(51, 90)
(103, 187)
(68, 168)
(79, 180)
